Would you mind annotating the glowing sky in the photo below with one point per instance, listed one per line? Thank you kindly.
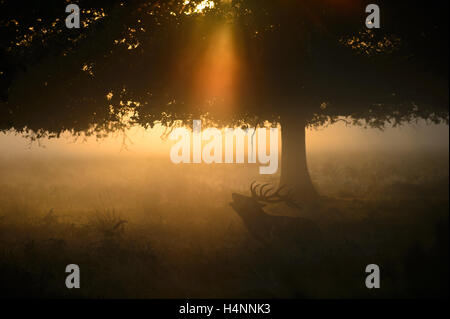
(140, 142)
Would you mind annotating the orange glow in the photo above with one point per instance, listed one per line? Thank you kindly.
(215, 79)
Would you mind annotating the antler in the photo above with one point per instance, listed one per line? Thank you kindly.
(274, 197)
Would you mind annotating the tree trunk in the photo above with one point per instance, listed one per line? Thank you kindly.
(294, 168)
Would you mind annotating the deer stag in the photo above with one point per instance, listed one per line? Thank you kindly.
(269, 228)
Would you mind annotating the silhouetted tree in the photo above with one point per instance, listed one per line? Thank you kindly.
(294, 63)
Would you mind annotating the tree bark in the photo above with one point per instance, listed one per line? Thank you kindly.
(294, 168)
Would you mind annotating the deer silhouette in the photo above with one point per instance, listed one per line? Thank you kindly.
(268, 228)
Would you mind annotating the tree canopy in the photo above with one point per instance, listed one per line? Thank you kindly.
(234, 62)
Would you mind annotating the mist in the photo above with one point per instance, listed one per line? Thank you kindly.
(122, 197)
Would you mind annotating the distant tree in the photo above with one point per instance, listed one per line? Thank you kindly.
(241, 62)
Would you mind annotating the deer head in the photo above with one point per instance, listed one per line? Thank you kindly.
(248, 206)
(260, 194)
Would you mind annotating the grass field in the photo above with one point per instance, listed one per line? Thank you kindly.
(145, 228)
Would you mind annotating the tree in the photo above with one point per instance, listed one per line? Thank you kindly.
(242, 62)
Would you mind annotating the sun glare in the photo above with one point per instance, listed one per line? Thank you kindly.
(216, 74)
(200, 7)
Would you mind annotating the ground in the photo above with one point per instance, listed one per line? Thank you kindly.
(144, 228)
